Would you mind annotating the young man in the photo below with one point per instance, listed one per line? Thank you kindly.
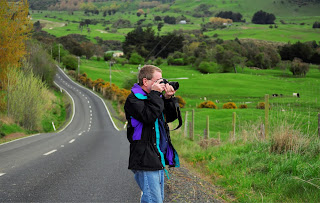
(148, 111)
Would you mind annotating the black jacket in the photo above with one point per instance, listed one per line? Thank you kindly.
(143, 112)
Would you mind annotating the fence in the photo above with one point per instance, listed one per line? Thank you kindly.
(189, 126)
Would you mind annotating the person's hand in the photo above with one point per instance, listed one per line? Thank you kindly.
(169, 91)
(157, 86)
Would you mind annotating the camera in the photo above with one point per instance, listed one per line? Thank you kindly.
(175, 85)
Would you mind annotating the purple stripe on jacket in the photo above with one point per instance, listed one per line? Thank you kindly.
(137, 129)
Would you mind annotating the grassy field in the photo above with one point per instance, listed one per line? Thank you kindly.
(247, 87)
(61, 23)
(246, 168)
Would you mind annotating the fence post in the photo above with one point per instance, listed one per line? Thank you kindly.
(185, 133)
(319, 125)
(192, 126)
(266, 118)
(234, 125)
(190, 130)
(206, 135)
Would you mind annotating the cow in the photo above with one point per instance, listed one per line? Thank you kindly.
(296, 95)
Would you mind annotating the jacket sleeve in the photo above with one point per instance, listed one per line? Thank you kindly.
(170, 110)
(145, 110)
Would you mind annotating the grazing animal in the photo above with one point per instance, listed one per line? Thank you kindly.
(296, 95)
(275, 95)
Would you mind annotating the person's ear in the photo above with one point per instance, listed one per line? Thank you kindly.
(145, 81)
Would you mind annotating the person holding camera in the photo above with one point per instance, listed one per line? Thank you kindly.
(148, 111)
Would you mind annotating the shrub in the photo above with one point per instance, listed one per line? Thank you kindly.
(158, 61)
(130, 81)
(179, 62)
(70, 62)
(181, 101)
(298, 67)
(121, 61)
(208, 104)
(243, 106)
(206, 67)
(170, 60)
(72, 73)
(41, 62)
(107, 56)
(136, 59)
(260, 105)
(229, 105)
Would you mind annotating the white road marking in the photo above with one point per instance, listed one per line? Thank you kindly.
(90, 107)
(71, 141)
(86, 97)
(80, 133)
(91, 116)
(90, 111)
(50, 152)
(1, 174)
(114, 125)
(88, 102)
(62, 145)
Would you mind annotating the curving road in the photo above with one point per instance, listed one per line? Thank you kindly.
(84, 162)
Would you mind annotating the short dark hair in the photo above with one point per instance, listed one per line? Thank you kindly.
(147, 72)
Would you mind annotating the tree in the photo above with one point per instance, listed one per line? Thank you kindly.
(70, 61)
(15, 27)
(169, 20)
(160, 25)
(136, 59)
(316, 25)
(262, 17)
(88, 49)
(140, 12)
(157, 18)
(298, 68)
(235, 17)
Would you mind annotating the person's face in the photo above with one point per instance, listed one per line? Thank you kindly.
(148, 83)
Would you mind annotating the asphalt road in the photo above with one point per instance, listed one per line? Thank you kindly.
(84, 162)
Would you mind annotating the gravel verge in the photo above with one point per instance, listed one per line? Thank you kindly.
(186, 185)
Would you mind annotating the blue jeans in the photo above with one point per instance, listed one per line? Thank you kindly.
(152, 185)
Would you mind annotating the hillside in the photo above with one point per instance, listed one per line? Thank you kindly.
(284, 8)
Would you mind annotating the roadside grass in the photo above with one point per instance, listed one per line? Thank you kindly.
(56, 113)
(252, 173)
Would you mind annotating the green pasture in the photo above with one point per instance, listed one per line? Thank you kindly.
(245, 169)
(248, 86)
(248, 7)
(292, 31)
